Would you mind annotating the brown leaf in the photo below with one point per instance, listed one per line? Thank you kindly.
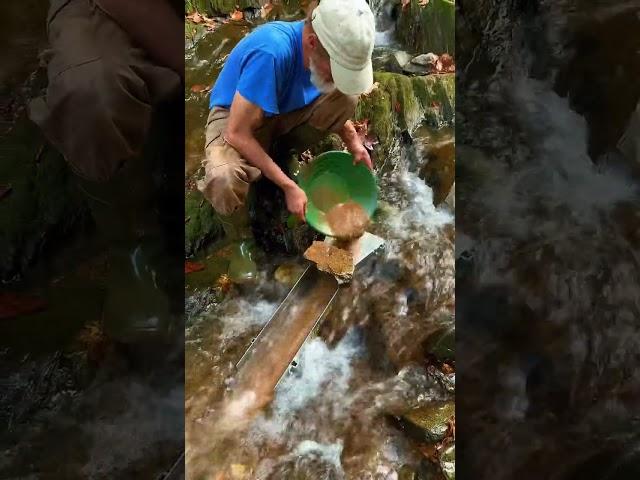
(195, 17)
(423, 3)
(200, 88)
(237, 14)
(306, 156)
(5, 191)
(448, 64)
(405, 4)
(15, 305)
(266, 10)
(190, 267)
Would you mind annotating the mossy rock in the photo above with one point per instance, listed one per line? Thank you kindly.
(44, 203)
(202, 225)
(430, 28)
(429, 424)
(402, 103)
(223, 7)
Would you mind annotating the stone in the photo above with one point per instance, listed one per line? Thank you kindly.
(415, 69)
(442, 344)
(426, 59)
(333, 260)
(429, 28)
(448, 462)
(429, 423)
(440, 170)
(402, 57)
(288, 274)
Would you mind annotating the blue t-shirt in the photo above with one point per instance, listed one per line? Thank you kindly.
(266, 68)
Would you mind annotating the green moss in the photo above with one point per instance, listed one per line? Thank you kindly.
(402, 103)
(202, 225)
(44, 202)
(430, 28)
(223, 7)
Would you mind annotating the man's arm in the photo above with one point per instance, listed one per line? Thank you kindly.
(351, 139)
(244, 119)
(154, 26)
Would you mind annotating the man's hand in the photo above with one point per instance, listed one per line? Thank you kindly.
(351, 139)
(360, 155)
(296, 200)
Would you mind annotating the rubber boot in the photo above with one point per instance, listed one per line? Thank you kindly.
(237, 227)
(136, 308)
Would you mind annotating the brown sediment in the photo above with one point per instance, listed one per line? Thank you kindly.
(347, 220)
(325, 197)
(331, 259)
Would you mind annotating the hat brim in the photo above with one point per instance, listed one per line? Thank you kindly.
(352, 82)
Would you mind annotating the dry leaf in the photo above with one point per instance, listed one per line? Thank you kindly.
(190, 267)
(195, 17)
(405, 4)
(200, 88)
(423, 3)
(306, 156)
(237, 14)
(15, 305)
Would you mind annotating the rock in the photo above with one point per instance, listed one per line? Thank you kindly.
(415, 69)
(429, 423)
(202, 226)
(402, 57)
(450, 201)
(442, 344)
(430, 28)
(426, 60)
(44, 203)
(332, 260)
(448, 463)
(288, 273)
(401, 103)
(440, 171)
(224, 7)
(386, 62)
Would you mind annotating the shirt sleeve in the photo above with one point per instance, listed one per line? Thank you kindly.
(258, 81)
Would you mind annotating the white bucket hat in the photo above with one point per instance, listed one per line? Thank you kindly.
(346, 29)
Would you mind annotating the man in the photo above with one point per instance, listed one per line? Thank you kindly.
(111, 63)
(299, 79)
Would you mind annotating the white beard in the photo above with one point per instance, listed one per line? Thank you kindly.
(318, 81)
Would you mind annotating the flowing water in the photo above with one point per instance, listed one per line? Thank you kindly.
(329, 415)
(547, 264)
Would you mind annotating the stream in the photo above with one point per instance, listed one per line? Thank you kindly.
(546, 245)
(335, 414)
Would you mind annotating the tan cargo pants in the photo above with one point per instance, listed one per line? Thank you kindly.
(227, 176)
(101, 90)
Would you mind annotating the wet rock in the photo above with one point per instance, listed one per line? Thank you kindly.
(225, 7)
(44, 203)
(428, 29)
(202, 226)
(333, 260)
(442, 344)
(415, 69)
(428, 423)
(288, 273)
(448, 463)
(440, 171)
(401, 103)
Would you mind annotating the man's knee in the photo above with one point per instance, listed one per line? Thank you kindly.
(98, 115)
(226, 186)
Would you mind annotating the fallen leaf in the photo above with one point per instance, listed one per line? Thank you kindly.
(14, 305)
(423, 3)
(195, 17)
(237, 14)
(200, 88)
(5, 191)
(224, 283)
(435, 104)
(266, 10)
(448, 64)
(190, 267)
(447, 369)
(397, 107)
(405, 4)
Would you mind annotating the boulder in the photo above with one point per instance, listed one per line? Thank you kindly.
(430, 28)
(429, 424)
